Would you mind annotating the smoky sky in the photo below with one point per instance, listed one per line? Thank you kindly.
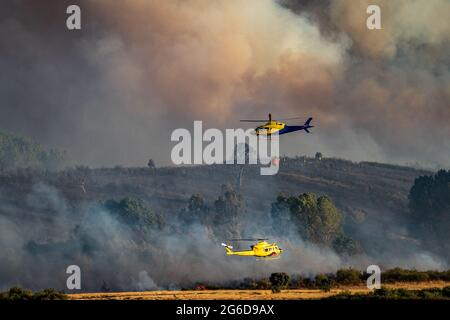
(112, 92)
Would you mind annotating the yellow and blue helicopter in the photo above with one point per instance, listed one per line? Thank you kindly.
(261, 249)
(278, 126)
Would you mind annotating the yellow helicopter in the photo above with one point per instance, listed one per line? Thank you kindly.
(262, 249)
(278, 126)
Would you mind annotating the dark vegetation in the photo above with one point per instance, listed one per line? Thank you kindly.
(403, 275)
(223, 217)
(278, 281)
(17, 293)
(317, 220)
(429, 202)
(20, 152)
(134, 212)
(325, 282)
(396, 294)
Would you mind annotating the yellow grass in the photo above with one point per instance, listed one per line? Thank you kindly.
(244, 294)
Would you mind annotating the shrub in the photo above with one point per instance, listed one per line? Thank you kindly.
(276, 289)
(300, 282)
(263, 284)
(403, 293)
(398, 274)
(279, 280)
(323, 282)
(446, 291)
(135, 213)
(382, 292)
(348, 276)
(17, 293)
(343, 295)
(49, 294)
(431, 293)
(346, 245)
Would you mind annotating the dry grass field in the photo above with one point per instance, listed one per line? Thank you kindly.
(244, 294)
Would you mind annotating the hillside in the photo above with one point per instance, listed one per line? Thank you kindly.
(368, 194)
(162, 227)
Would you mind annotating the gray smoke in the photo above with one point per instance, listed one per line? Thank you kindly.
(38, 245)
(113, 92)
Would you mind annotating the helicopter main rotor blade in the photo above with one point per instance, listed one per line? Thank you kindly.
(294, 118)
(265, 120)
(249, 239)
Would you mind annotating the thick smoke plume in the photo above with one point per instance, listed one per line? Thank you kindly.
(112, 92)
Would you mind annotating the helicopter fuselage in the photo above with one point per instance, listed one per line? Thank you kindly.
(269, 128)
(261, 249)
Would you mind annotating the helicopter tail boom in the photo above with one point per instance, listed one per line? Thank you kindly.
(228, 248)
(229, 251)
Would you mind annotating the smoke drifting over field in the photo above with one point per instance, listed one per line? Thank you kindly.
(36, 248)
(112, 92)
(35, 253)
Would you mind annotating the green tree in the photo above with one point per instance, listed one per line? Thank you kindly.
(17, 293)
(196, 203)
(348, 276)
(279, 280)
(197, 211)
(346, 245)
(151, 164)
(135, 213)
(20, 152)
(446, 291)
(49, 294)
(317, 219)
(323, 282)
(227, 214)
(429, 203)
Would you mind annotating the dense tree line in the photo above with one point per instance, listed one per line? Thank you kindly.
(135, 213)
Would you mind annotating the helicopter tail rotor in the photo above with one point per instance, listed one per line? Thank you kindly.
(228, 248)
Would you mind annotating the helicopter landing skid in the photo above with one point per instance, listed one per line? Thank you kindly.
(268, 258)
